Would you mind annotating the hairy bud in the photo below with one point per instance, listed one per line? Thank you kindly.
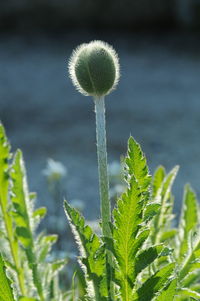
(94, 68)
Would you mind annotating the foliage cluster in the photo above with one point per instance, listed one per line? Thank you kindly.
(151, 258)
(27, 271)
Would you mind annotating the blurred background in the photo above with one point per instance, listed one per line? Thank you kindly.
(157, 100)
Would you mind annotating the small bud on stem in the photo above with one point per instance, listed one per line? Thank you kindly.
(94, 70)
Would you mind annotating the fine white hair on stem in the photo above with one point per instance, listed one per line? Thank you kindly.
(87, 49)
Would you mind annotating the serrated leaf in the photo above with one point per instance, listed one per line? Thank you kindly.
(23, 217)
(127, 219)
(92, 253)
(130, 231)
(20, 201)
(5, 207)
(188, 220)
(6, 293)
(155, 284)
(136, 165)
(151, 210)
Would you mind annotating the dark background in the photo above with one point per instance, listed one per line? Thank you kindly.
(157, 100)
(62, 15)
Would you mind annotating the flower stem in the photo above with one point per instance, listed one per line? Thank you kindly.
(104, 184)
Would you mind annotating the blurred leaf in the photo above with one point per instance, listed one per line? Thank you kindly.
(40, 212)
(163, 196)
(185, 292)
(6, 292)
(169, 292)
(188, 220)
(158, 179)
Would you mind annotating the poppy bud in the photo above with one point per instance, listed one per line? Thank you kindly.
(94, 68)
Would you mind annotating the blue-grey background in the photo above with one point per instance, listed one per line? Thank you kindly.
(157, 100)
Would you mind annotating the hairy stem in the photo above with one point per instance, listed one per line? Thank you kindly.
(104, 182)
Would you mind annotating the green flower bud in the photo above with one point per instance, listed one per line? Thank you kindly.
(94, 68)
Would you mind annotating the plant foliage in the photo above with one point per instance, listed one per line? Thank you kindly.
(152, 259)
(6, 292)
(24, 253)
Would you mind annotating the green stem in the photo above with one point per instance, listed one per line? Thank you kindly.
(104, 183)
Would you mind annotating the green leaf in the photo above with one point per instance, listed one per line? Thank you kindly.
(191, 262)
(146, 257)
(189, 251)
(38, 215)
(40, 212)
(127, 219)
(9, 265)
(58, 265)
(21, 202)
(164, 216)
(4, 165)
(6, 293)
(191, 279)
(27, 299)
(195, 287)
(45, 243)
(158, 179)
(139, 241)
(5, 207)
(92, 253)
(168, 235)
(185, 292)
(155, 284)
(188, 220)
(23, 217)
(131, 217)
(168, 293)
(151, 210)
(136, 165)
